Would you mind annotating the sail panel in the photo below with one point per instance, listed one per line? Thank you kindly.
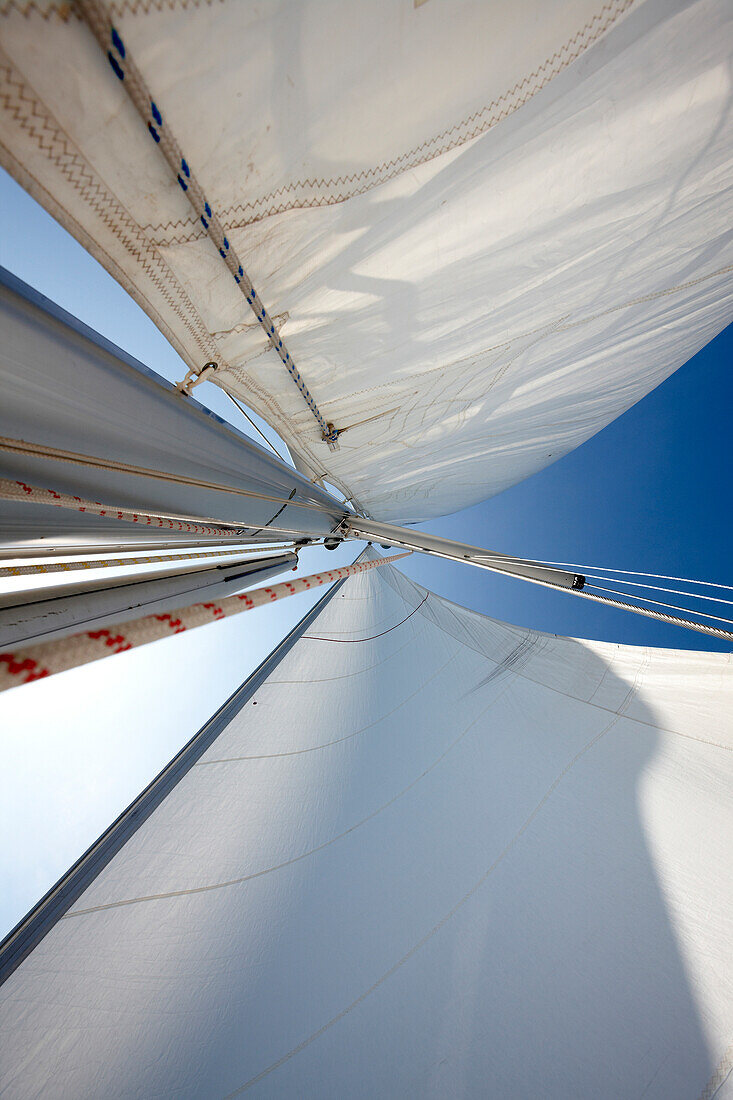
(483, 230)
(434, 854)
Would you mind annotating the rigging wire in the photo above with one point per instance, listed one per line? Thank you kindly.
(674, 620)
(651, 613)
(657, 588)
(591, 569)
(258, 430)
(150, 559)
(35, 662)
(660, 603)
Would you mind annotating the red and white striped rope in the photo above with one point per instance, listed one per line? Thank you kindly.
(35, 494)
(22, 666)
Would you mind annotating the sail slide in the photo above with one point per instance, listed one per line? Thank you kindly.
(424, 853)
(480, 230)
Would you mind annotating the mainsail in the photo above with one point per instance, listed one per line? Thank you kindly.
(482, 230)
(430, 855)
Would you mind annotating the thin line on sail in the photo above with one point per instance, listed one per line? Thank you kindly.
(127, 72)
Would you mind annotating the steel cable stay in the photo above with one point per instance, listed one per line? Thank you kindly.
(660, 603)
(548, 574)
(592, 578)
(259, 431)
(649, 612)
(596, 570)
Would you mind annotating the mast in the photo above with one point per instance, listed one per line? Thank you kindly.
(82, 418)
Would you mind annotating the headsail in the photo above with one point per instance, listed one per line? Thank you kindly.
(482, 861)
(483, 230)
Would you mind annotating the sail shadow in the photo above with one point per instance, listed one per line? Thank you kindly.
(557, 973)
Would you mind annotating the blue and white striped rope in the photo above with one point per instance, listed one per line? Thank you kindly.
(124, 68)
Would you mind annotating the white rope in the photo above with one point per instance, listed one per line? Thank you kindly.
(36, 662)
(129, 75)
(116, 563)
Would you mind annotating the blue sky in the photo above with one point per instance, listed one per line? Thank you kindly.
(651, 492)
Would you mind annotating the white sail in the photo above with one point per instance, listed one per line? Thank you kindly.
(486, 229)
(432, 855)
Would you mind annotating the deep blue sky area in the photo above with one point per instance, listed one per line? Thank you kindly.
(651, 492)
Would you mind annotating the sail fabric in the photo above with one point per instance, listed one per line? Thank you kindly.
(484, 230)
(434, 855)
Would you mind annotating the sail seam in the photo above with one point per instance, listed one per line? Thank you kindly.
(33, 117)
(315, 191)
(350, 675)
(339, 740)
(319, 638)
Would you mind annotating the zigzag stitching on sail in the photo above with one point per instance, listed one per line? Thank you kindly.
(33, 117)
(721, 1074)
(27, 111)
(460, 133)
